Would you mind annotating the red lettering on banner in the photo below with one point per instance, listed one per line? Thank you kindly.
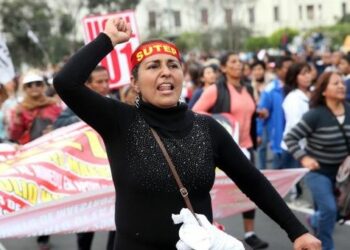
(104, 23)
(97, 28)
(115, 66)
(127, 51)
(117, 61)
(89, 31)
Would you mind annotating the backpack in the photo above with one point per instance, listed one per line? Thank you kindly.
(36, 128)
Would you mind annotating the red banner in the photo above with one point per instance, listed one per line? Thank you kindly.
(61, 183)
(65, 162)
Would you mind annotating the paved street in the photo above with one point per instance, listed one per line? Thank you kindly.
(266, 229)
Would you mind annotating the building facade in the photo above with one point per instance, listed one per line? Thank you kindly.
(262, 16)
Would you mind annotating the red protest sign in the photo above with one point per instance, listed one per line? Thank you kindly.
(118, 61)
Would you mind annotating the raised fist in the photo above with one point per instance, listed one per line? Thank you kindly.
(118, 30)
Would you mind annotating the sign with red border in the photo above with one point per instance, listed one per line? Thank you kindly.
(118, 61)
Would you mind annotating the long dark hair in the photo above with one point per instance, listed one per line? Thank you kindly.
(223, 61)
(292, 76)
(317, 98)
(224, 58)
(202, 70)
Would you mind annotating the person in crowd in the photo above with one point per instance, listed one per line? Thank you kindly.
(147, 194)
(231, 95)
(3, 97)
(344, 70)
(35, 112)
(259, 83)
(9, 104)
(31, 117)
(295, 104)
(335, 61)
(323, 62)
(98, 81)
(246, 74)
(208, 76)
(128, 95)
(271, 105)
(324, 151)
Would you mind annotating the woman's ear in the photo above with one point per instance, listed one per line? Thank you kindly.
(134, 84)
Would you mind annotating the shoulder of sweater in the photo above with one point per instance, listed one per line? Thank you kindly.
(316, 115)
(347, 106)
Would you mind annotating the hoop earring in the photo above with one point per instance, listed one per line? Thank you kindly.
(181, 101)
(137, 101)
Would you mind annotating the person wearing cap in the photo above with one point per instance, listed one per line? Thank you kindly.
(34, 113)
(146, 193)
(31, 117)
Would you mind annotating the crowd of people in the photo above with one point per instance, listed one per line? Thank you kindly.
(291, 107)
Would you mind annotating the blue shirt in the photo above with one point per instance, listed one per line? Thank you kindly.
(272, 99)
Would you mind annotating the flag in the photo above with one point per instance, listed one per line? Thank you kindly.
(7, 72)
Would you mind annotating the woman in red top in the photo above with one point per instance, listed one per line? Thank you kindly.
(35, 113)
(232, 97)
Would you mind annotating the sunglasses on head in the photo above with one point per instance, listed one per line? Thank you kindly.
(31, 84)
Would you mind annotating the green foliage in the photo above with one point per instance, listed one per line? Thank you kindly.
(67, 24)
(233, 38)
(257, 43)
(111, 5)
(188, 40)
(17, 19)
(276, 37)
(228, 38)
(55, 29)
(345, 19)
(335, 33)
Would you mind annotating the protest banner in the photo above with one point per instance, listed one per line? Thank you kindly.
(118, 61)
(61, 183)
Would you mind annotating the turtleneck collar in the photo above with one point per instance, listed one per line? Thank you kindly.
(174, 122)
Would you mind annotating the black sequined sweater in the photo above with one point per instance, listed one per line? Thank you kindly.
(146, 192)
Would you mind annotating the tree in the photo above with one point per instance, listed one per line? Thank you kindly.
(281, 37)
(111, 5)
(188, 40)
(257, 43)
(233, 38)
(39, 35)
(335, 33)
(27, 28)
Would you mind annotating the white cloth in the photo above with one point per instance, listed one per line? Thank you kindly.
(295, 105)
(205, 237)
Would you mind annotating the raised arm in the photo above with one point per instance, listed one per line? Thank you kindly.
(69, 83)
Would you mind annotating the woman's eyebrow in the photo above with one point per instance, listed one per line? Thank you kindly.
(153, 61)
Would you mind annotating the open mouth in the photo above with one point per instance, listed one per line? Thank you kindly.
(165, 87)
